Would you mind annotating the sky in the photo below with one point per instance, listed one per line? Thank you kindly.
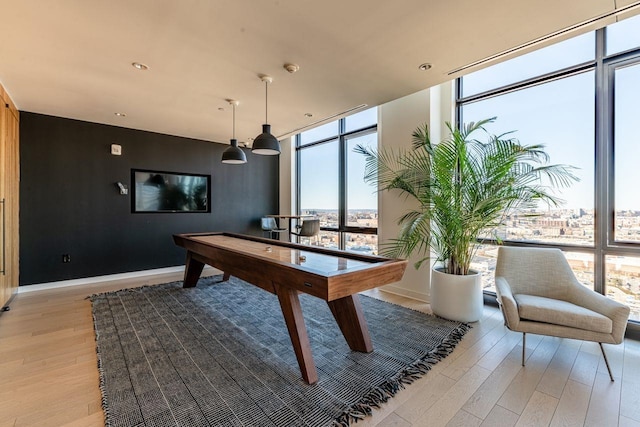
(319, 166)
(563, 124)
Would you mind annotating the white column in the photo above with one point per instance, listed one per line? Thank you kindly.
(396, 122)
(287, 190)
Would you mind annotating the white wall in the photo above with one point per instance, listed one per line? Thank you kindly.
(287, 177)
(396, 122)
(442, 100)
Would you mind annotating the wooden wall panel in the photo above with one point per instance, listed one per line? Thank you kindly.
(9, 197)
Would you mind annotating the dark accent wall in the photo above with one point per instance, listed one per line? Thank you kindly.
(69, 203)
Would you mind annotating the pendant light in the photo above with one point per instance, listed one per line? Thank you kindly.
(234, 155)
(265, 143)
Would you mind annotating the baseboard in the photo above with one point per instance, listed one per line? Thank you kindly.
(397, 290)
(110, 278)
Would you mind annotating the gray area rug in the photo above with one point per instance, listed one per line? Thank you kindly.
(220, 355)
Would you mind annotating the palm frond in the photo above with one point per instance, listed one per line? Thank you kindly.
(464, 186)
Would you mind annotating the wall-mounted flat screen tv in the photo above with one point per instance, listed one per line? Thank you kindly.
(155, 191)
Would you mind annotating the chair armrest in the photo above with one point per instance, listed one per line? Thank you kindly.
(617, 312)
(507, 303)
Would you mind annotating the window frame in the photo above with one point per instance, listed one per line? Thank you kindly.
(342, 138)
(623, 60)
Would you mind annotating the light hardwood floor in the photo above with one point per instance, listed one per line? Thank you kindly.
(48, 373)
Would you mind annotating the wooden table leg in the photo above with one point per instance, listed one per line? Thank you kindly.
(292, 311)
(192, 271)
(348, 314)
(225, 276)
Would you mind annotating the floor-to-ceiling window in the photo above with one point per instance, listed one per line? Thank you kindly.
(330, 182)
(579, 98)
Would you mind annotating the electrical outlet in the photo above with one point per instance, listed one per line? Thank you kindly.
(66, 258)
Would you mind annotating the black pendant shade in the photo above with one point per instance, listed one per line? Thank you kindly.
(265, 143)
(234, 155)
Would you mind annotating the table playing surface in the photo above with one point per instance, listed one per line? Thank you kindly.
(321, 263)
(287, 269)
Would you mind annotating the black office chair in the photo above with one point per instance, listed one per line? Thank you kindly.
(269, 225)
(309, 228)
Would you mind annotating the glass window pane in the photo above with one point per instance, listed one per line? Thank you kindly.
(583, 267)
(361, 120)
(560, 115)
(623, 35)
(361, 243)
(485, 262)
(326, 239)
(627, 173)
(319, 182)
(328, 217)
(623, 282)
(320, 133)
(551, 58)
(362, 198)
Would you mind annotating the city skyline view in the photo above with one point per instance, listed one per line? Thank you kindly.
(561, 226)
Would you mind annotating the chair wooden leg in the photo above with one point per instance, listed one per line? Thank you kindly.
(606, 362)
(524, 345)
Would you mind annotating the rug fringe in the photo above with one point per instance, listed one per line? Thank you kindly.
(142, 287)
(385, 391)
(92, 297)
(101, 385)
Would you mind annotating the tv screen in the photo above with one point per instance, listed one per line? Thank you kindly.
(155, 191)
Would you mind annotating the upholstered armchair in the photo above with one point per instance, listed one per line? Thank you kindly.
(539, 294)
(309, 228)
(270, 226)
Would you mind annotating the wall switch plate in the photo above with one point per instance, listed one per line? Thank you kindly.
(116, 149)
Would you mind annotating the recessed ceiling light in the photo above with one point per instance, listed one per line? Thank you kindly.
(120, 114)
(424, 67)
(308, 115)
(291, 68)
(139, 66)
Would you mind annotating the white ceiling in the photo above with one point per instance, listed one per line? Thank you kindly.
(72, 58)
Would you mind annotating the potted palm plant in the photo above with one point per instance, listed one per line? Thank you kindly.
(464, 189)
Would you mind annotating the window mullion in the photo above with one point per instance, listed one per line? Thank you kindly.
(602, 162)
(342, 179)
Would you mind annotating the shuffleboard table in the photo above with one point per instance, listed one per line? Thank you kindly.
(286, 269)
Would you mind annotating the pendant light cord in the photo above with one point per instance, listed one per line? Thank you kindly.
(234, 121)
(266, 101)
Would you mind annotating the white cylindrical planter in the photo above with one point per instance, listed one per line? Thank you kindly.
(456, 297)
